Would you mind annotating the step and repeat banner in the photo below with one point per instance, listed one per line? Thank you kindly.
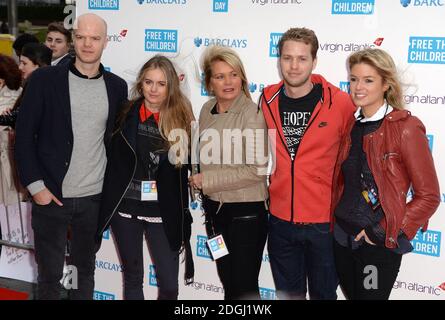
(412, 31)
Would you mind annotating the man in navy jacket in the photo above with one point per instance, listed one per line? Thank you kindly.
(65, 121)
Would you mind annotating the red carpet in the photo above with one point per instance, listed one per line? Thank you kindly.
(7, 294)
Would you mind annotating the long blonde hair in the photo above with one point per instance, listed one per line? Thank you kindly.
(227, 55)
(382, 62)
(176, 112)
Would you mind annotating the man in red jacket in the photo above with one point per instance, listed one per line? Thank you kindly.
(312, 118)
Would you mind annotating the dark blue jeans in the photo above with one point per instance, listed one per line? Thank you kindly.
(129, 236)
(302, 256)
(50, 224)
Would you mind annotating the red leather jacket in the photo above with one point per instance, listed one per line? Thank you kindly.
(399, 157)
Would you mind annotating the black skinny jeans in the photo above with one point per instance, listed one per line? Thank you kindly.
(129, 236)
(356, 267)
(244, 229)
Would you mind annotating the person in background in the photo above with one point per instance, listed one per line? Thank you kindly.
(10, 89)
(4, 29)
(235, 191)
(32, 57)
(10, 81)
(21, 40)
(139, 156)
(58, 39)
(386, 154)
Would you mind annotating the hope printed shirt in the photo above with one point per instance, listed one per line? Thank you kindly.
(295, 115)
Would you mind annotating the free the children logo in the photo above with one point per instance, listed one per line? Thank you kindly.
(103, 4)
(161, 40)
(427, 50)
(352, 7)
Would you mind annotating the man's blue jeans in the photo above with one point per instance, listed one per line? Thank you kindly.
(298, 252)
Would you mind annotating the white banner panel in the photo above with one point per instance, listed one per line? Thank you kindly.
(412, 31)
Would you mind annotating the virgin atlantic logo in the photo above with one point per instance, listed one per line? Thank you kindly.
(378, 41)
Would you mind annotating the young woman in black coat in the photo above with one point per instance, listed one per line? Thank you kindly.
(145, 188)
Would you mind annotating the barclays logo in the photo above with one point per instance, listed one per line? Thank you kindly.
(98, 295)
(352, 7)
(103, 4)
(422, 3)
(220, 5)
(427, 243)
(197, 41)
(224, 42)
(254, 87)
(105, 265)
(160, 40)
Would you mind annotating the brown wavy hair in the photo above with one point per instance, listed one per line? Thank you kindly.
(10, 72)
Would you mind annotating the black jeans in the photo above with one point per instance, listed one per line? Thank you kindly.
(244, 229)
(50, 224)
(356, 268)
(129, 236)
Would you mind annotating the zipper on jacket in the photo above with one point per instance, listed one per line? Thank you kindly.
(132, 176)
(287, 149)
(293, 187)
(288, 152)
(293, 162)
(381, 195)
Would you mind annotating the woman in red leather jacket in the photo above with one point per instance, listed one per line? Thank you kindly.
(386, 155)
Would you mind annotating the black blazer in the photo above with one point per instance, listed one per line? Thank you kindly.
(44, 134)
(65, 60)
(172, 184)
